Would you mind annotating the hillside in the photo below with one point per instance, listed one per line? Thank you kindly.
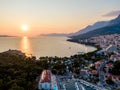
(54, 34)
(97, 25)
(114, 29)
(91, 28)
(18, 72)
(6, 36)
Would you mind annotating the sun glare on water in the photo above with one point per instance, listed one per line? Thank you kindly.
(24, 28)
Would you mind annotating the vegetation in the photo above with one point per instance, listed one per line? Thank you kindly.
(18, 72)
(118, 89)
(109, 81)
(116, 68)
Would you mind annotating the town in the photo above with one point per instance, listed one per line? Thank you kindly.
(98, 70)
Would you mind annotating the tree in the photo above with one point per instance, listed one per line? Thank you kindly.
(109, 81)
(116, 68)
(16, 87)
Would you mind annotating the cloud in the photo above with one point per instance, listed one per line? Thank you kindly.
(112, 13)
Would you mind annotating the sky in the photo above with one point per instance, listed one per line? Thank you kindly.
(53, 16)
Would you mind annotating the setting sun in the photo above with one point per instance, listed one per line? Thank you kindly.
(24, 28)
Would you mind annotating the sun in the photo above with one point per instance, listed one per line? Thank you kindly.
(24, 28)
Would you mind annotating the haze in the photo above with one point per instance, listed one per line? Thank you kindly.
(52, 16)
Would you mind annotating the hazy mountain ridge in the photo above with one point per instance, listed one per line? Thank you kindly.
(54, 34)
(97, 25)
(115, 21)
(112, 27)
(6, 36)
(91, 27)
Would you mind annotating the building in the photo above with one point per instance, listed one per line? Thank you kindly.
(45, 81)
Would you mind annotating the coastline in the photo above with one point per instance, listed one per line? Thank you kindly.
(86, 43)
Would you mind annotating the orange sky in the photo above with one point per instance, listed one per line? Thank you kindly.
(52, 16)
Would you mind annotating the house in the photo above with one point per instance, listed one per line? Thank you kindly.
(45, 81)
(112, 48)
(84, 73)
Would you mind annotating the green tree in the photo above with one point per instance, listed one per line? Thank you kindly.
(16, 87)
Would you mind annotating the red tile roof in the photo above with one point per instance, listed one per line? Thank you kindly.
(46, 76)
(97, 64)
(94, 71)
(109, 65)
(101, 60)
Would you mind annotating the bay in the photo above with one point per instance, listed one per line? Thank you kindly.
(43, 46)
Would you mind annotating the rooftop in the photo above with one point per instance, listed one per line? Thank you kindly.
(46, 76)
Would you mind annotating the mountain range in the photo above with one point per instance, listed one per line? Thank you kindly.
(54, 34)
(99, 28)
(6, 36)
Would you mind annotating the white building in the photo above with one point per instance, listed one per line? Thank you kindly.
(48, 81)
(45, 81)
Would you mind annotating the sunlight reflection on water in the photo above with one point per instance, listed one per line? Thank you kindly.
(25, 46)
(43, 46)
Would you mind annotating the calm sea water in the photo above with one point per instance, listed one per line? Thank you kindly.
(43, 46)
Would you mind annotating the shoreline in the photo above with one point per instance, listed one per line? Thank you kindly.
(87, 44)
(95, 48)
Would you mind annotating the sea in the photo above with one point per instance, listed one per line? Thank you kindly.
(43, 46)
